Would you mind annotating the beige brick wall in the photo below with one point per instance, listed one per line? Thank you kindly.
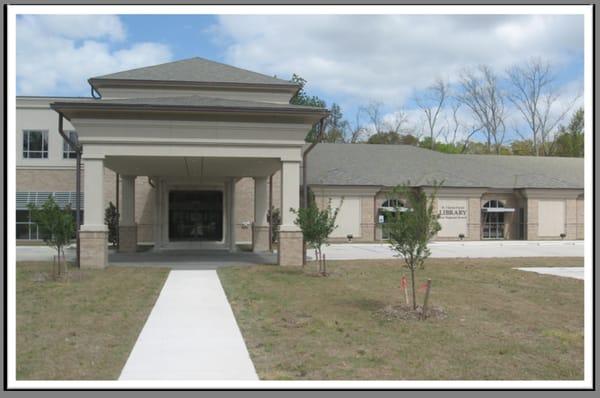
(474, 220)
(244, 209)
(571, 218)
(532, 219)
(368, 218)
(580, 218)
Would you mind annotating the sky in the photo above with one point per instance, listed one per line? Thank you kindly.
(352, 60)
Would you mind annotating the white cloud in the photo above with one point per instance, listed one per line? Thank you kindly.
(385, 57)
(57, 54)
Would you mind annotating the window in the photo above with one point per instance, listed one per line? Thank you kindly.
(493, 222)
(395, 203)
(68, 152)
(26, 228)
(35, 144)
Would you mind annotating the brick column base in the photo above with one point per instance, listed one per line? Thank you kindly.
(94, 249)
(127, 238)
(290, 248)
(260, 238)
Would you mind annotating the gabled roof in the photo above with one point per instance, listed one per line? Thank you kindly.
(194, 70)
(391, 165)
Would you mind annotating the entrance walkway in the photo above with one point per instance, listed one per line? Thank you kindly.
(191, 334)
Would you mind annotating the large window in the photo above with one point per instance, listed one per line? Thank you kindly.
(26, 228)
(35, 144)
(493, 220)
(68, 152)
(386, 211)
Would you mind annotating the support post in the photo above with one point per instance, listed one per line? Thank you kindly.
(290, 236)
(260, 233)
(94, 233)
(127, 225)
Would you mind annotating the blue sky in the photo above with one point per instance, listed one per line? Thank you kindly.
(353, 60)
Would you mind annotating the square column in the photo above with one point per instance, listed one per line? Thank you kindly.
(231, 215)
(260, 233)
(127, 225)
(94, 233)
(290, 236)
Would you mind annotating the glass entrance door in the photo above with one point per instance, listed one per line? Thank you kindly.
(493, 220)
(195, 215)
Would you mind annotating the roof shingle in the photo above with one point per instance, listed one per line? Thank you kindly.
(390, 165)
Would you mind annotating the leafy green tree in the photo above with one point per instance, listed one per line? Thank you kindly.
(335, 126)
(410, 231)
(274, 218)
(56, 225)
(570, 140)
(316, 226)
(390, 137)
(302, 98)
(522, 148)
(111, 218)
(409, 139)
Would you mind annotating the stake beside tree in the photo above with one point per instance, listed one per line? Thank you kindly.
(410, 231)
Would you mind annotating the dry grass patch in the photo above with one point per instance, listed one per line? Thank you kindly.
(500, 323)
(82, 327)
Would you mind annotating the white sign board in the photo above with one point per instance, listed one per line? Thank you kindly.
(453, 217)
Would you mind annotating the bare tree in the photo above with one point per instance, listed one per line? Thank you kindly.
(535, 96)
(432, 103)
(374, 116)
(457, 131)
(356, 130)
(481, 93)
(381, 123)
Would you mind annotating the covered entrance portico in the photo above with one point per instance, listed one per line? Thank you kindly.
(193, 157)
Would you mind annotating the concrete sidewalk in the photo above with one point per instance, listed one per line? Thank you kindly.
(479, 249)
(567, 272)
(191, 334)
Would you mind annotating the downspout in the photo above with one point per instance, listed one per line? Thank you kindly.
(304, 179)
(304, 157)
(271, 213)
(77, 148)
(117, 202)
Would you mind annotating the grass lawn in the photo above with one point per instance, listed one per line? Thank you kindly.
(502, 323)
(84, 327)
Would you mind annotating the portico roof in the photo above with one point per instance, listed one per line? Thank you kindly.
(196, 71)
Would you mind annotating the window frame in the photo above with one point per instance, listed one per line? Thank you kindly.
(68, 152)
(26, 142)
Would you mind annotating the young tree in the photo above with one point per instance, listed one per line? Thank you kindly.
(316, 226)
(56, 225)
(274, 219)
(111, 218)
(410, 231)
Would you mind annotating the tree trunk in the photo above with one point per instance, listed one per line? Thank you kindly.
(414, 293)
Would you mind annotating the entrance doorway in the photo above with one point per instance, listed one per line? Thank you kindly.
(388, 210)
(195, 215)
(493, 220)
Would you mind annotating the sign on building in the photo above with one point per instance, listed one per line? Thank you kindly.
(453, 217)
